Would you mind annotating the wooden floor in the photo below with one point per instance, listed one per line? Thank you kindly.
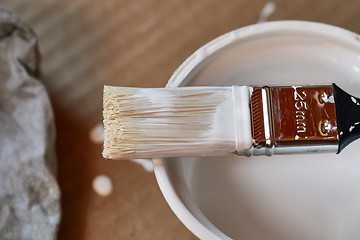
(88, 43)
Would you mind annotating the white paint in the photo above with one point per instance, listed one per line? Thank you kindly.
(102, 185)
(197, 128)
(145, 163)
(327, 126)
(326, 98)
(341, 133)
(96, 134)
(297, 137)
(351, 128)
(353, 99)
(267, 10)
(242, 119)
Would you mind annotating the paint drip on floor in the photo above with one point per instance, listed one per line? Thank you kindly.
(102, 185)
(96, 134)
(268, 9)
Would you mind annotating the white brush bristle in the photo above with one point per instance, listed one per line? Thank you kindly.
(148, 123)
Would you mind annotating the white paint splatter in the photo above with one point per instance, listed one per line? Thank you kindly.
(145, 163)
(326, 98)
(331, 99)
(353, 99)
(102, 185)
(341, 133)
(296, 137)
(268, 9)
(351, 128)
(96, 134)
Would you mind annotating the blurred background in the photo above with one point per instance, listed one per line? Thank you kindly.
(88, 43)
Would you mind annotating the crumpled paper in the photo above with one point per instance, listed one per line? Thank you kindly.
(29, 194)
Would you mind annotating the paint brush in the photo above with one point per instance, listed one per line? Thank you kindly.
(238, 120)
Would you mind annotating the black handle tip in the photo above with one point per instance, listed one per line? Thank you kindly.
(347, 117)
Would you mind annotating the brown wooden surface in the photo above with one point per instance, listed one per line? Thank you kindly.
(88, 43)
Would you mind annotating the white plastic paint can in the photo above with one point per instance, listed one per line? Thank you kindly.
(269, 198)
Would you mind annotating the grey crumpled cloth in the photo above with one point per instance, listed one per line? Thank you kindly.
(29, 194)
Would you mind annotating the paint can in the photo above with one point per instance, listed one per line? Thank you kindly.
(280, 197)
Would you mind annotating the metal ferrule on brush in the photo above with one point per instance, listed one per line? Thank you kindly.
(293, 119)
